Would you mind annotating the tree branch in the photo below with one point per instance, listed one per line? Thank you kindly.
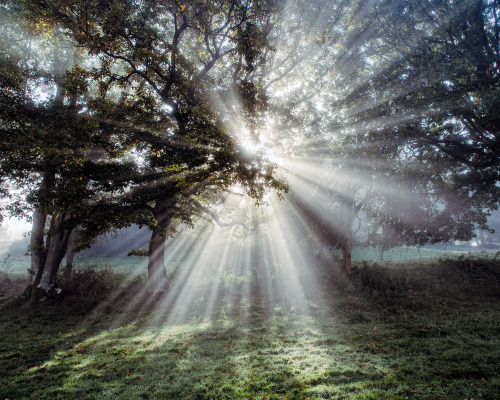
(214, 216)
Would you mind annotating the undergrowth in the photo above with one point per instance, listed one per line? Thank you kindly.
(91, 284)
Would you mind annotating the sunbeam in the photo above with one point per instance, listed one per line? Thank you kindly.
(257, 160)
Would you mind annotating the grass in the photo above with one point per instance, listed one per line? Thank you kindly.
(404, 331)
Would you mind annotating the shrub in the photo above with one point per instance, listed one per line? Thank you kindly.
(10, 282)
(357, 317)
(91, 282)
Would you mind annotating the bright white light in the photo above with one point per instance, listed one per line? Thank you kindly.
(275, 159)
(14, 229)
(251, 146)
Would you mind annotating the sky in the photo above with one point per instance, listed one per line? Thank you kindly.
(12, 229)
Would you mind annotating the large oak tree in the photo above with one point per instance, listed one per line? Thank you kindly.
(153, 74)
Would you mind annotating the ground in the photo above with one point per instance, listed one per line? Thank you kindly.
(426, 330)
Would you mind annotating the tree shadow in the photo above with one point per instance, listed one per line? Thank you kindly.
(256, 341)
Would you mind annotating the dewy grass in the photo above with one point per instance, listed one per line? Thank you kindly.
(427, 331)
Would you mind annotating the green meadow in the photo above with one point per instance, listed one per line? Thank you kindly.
(426, 329)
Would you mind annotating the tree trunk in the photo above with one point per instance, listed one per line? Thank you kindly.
(55, 254)
(157, 273)
(38, 251)
(346, 256)
(348, 239)
(70, 256)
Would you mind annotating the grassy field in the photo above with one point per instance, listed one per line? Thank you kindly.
(423, 330)
(19, 263)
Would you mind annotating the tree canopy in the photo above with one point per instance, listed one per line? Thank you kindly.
(143, 112)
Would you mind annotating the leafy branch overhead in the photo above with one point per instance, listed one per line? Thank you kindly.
(132, 134)
(123, 112)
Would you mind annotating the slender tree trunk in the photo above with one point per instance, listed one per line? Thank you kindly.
(157, 273)
(38, 251)
(55, 254)
(70, 256)
(348, 238)
(347, 256)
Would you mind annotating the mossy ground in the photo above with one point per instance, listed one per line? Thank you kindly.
(412, 331)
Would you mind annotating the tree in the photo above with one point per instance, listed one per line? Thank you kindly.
(149, 123)
(51, 150)
(429, 99)
(403, 136)
(158, 68)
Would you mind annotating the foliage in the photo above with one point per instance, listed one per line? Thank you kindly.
(400, 120)
(91, 284)
(163, 111)
(446, 154)
(137, 132)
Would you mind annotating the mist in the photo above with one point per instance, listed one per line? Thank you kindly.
(253, 171)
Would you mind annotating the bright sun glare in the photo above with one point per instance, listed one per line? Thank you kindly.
(15, 229)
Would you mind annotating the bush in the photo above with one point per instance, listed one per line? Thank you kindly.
(10, 282)
(414, 285)
(357, 317)
(91, 282)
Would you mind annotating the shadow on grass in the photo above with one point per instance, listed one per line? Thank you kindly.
(250, 345)
(357, 342)
(228, 358)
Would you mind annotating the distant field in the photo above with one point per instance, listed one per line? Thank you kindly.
(414, 253)
(19, 264)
